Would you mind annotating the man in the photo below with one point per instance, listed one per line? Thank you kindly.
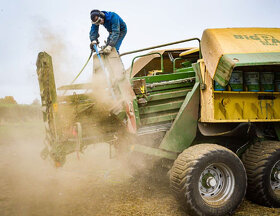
(114, 25)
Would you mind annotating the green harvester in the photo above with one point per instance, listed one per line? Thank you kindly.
(215, 144)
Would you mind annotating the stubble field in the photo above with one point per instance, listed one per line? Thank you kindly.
(93, 185)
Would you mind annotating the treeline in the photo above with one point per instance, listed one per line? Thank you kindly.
(11, 111)
(19, 112)
(8, 100)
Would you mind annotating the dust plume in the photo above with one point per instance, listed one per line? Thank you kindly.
(92, 185)
(52, 41)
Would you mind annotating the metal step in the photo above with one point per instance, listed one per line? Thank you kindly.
(160, 107)
(170, 82)
(173, 93)
(153, 129)
(159, 117)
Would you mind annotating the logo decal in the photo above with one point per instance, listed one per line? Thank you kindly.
(264, 39)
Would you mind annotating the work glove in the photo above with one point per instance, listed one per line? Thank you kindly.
(107, 50)
(94, 42)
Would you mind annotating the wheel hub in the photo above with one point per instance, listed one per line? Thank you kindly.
(209, 179)
(211, 182)
(216, 182)
(275, 176)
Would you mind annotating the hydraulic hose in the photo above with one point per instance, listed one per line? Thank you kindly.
(103, 68)
(80, 71)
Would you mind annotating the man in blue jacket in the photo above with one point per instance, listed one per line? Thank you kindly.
(114, 25)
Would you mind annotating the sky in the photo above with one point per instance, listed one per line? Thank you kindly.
(61, 28)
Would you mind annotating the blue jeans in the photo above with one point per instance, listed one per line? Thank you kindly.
(120, 39)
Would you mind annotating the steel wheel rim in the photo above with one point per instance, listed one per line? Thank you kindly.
(275, 178)
(216, 184)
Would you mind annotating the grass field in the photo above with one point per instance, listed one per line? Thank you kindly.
(19, 112)
(93, 185)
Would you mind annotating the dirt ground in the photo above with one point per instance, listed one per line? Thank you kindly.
(93, 185)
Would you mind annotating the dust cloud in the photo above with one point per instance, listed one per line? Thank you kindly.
(91, 185)
(48, 39)
(101, 92)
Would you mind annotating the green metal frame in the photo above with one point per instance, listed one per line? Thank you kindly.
(136, 111)
(163, 45)
(153, 151)
(162, 77)
(167, 94)
(183, 130)
(174, 63)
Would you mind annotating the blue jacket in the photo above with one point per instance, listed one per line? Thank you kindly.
(114, 25)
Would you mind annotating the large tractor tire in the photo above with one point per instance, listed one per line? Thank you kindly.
(209, 180)
(262, 163)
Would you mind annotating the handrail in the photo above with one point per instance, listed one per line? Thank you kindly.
(174, 65)
(161, 61)
(162, 45)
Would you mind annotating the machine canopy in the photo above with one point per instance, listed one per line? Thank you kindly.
(225, 49)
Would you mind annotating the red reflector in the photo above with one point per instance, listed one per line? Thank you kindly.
(74, 132)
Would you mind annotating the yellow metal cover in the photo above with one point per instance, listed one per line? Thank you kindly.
(217, 42)
(189, 52)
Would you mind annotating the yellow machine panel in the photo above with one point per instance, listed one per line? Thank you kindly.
(254, 55)
(246, 106)
(237, 106)
(217, 42)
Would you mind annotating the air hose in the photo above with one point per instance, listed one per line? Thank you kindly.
(80, 71)
(107, 75)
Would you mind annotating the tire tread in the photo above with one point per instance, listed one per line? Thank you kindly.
(181, 171)
(255, 160)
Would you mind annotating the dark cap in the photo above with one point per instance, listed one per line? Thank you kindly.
(95, 13)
